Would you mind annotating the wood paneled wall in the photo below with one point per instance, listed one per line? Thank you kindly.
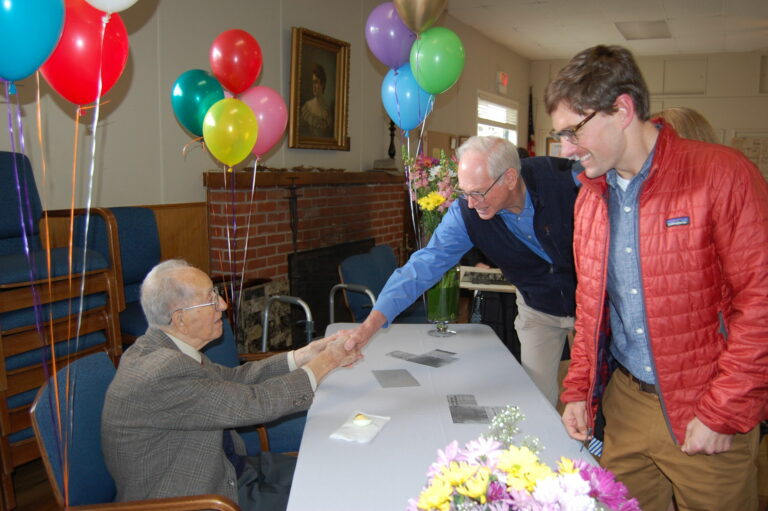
(183, 231)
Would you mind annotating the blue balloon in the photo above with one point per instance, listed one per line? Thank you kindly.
(29, 32)
(406, 103)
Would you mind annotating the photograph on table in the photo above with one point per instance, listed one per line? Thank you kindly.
(319, 91)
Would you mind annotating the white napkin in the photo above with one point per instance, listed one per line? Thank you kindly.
(362, 434)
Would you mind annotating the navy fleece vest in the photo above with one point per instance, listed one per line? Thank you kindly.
(546, 287)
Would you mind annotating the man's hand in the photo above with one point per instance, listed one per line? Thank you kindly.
(575, 421)
(360, 336)
(341, 356)
(310, 351)
(700, 439)
(333, 355)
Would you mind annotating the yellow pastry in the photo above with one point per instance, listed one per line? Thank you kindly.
(361, 419)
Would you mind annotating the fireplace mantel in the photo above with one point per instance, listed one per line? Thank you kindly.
(268, 179)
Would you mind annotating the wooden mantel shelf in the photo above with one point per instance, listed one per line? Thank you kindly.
(267, 179)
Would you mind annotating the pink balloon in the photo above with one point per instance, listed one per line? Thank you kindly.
(271, 114)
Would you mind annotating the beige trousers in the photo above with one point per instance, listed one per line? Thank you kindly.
(542, 337)
(641, 453)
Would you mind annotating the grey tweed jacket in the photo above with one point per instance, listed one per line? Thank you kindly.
(165, 414)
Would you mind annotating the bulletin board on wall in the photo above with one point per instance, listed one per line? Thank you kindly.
(437, 141)
(756, 149)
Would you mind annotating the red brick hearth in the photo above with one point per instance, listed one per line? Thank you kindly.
(331, 208)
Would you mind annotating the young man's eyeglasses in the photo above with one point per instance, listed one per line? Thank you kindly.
(216, 301)
(570, 134)
(480, 196)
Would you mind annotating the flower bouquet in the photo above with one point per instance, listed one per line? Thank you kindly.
(493, 474)
(433, 184)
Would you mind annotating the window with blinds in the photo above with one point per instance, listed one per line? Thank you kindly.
(496, 116)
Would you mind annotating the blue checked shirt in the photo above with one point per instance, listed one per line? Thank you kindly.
(630, 344)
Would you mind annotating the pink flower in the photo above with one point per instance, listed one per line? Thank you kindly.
(444, 458)
(605, 488)
(497, 492)
(483, 451)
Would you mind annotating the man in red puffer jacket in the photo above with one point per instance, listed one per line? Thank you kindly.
(669, 235)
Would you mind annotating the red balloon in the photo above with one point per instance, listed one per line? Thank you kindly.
(73, 67)
(235, 59)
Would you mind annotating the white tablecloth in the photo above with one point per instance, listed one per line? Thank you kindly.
(335, 475)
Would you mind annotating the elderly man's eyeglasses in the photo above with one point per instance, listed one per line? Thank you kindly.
(570, 134)
(216, 302)
(480, 196)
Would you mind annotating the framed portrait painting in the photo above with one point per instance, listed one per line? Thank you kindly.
(319, 91)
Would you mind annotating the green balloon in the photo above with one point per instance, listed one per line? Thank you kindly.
(193, 93)
(437, 59)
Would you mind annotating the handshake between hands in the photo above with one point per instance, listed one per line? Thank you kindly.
(324, 355)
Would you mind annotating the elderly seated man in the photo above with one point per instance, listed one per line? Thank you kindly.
(169, 412)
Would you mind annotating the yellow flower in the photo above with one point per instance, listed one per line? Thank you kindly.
(523, 468)
(431, 201)
(457, 472)
(436, 496)
(476, 487)
(566, 466)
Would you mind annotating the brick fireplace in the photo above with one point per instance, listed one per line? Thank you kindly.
(292, 213)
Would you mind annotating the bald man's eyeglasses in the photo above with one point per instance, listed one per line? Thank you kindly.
(480, 196)
(216, 302)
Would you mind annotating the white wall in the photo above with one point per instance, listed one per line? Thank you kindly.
(729, 89)
(139, 146)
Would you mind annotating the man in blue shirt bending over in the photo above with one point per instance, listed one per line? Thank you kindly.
(521, 218)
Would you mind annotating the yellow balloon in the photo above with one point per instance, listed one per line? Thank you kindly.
(419, 15)
(230, 129)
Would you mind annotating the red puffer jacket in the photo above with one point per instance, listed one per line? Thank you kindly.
(703, 229)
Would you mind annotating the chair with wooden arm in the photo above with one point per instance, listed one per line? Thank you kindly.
(66, 417)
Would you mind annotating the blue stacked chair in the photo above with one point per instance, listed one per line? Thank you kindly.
(138, 251)
(40, 310)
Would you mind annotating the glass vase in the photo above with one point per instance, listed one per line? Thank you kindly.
(443, 303)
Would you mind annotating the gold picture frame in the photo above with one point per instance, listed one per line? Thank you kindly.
(319, 91)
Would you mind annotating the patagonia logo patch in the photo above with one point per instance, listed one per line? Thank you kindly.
(681, 220)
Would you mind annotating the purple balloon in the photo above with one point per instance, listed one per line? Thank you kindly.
(388, 37)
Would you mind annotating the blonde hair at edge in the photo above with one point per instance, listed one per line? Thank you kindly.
(688, 123)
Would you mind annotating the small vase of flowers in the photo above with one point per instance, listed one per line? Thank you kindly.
(433, 183)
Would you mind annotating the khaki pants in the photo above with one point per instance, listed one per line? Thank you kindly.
(640, 451)
(542, 337)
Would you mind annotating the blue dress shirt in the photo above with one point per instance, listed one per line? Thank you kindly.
(448, 244)
(629, 329)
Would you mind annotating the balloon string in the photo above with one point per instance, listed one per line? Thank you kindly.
(91, 173)
(233, 247)
(26, 213)
(247, 234)
(82, 109)
(228, 211)
(46, 224)
(69, 394)
(56, 419)
(190, 145)
(411, 190)
(397, 99)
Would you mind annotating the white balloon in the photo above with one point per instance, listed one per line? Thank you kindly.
(111, 5)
